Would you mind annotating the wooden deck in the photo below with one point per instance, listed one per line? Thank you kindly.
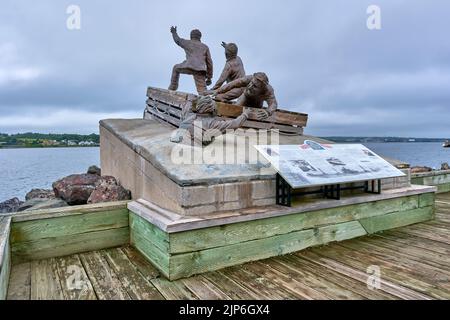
(414, 262)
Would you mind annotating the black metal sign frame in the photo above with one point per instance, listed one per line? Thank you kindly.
(284, 192)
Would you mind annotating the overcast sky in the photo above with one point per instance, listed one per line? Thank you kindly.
(319, 55)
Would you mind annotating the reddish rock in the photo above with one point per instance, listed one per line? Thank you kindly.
(76, 189)
(419, 169)
(109, 190)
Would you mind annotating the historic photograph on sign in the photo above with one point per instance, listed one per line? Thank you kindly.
(313, 164)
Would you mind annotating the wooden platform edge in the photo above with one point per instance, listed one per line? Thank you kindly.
(5, 256)
(183, 254)
(46, 234)
(439, 178)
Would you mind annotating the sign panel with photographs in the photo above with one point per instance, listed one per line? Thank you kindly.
(314, 164)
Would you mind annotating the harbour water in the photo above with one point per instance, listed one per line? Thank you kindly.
(24, 169)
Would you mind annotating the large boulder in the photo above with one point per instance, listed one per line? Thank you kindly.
(11, 205)
(39, 203)
(109, 190)
(419, 169)
(40, 194)
(445, 166)
(77, 188)
(94, 170)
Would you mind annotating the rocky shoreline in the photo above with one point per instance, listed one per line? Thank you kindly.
(421, 169)
(75, 189)
(92, 187)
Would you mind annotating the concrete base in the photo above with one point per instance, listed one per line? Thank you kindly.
(140, 155)
(181, 246)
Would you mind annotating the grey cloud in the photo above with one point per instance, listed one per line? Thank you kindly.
(319, 55)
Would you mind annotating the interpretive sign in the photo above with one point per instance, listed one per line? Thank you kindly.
(314, 164)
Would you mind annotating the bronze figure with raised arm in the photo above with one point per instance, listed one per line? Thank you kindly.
(198, 61)
(234, 69)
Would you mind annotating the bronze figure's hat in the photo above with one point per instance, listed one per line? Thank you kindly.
(261, 76)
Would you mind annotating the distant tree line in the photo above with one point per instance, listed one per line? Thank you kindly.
(381, 139)
(31, 139)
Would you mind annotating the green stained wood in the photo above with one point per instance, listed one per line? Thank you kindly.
(437, 179)
(159, 258)
(5, 269)
(5, 256)
(68, 225)
(397, 219)
(69, 244)
(443, 188)
(417, 180)
(149, 231)
(195, 240)
(184, 265)
(426, 199)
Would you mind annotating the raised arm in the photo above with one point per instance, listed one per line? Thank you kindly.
(238, 83)
(176, 38)
(223, 77)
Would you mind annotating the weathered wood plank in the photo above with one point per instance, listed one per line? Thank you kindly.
(279, 116)
(228, 234)
(361, 275)
(182, 265)
(437, 277)
(427, 233)
(396, 219)
(105, 282)
(68, 211)
(74, 281)
(389, 270)
(159, 258)
(71, 244)
(432, 262)
(307, 284)
(164, 117)
(231, 288)
(204, 289)
(20, 282)
(45, 281)
(136, 285)
(173, 290)
(422, 243)
(68, 225)
(165, 108)
(337, 278)
(257, 284)
(5, 256)
(141, 263)
(426, 199)
(139, 225)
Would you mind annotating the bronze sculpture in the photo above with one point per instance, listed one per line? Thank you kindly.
(234, 69)
(203, 116)
(256, 90)
(198, 61)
